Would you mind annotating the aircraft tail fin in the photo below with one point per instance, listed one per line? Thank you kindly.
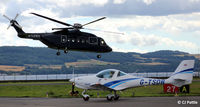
(183, 74)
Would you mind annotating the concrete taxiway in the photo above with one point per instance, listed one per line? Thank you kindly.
(102, 102)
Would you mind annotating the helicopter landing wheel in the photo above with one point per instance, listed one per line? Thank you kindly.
(98, 56)
(65, 51)
(58, 53)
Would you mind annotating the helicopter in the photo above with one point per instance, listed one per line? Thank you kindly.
(68, 38)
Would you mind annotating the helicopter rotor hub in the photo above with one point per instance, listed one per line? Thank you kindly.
(77, 25)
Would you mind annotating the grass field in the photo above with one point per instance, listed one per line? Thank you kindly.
(62, 91)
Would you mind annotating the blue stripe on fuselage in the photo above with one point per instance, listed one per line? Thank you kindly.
(118, 81)
(122, 82)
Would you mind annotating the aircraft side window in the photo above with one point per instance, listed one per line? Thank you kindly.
(78, 40)
(73, 40)
(108, 74)
(93, 40)
(82, 41)
(111, 74)
(102, 42)
(120, 74)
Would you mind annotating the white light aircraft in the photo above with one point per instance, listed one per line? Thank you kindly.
(116, 80)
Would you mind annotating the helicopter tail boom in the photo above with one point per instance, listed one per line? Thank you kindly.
(19, 30)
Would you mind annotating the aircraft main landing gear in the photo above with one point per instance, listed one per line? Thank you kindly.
(98, 56)
(116, 97)
(58, 53)
(111, 97)
(86, 97)
(65, 50)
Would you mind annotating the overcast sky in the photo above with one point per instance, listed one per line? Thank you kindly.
(148, 25)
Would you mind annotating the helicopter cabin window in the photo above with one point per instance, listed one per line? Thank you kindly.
(82, 40)
(120, 74)
(78, 40)
(73, 40)
(93, 40)
(106, 74)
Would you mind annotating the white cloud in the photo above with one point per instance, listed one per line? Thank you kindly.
(186, 44)
(194, 1)
(45, 12)
(20, 1)
(118, 1)
(2, 9)
(148, 2)
(9, 37)
(63, 3)
(115, 49)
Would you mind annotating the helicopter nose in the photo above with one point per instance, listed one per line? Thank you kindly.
(109, 49)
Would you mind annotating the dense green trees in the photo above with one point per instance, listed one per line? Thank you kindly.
(129, 62)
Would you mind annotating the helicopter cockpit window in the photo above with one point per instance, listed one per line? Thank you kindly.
(93, 40)
(102, 42)
(120, 73)
(106, 74)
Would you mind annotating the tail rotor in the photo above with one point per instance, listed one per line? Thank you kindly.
(12, 21)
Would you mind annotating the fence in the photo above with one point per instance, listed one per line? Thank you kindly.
(4, 77)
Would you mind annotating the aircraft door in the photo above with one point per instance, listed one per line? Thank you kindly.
(64, 40)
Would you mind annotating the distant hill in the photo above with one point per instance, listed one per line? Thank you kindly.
(40, 60)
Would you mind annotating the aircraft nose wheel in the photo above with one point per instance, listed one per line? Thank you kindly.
(98, 56)
(85, 96)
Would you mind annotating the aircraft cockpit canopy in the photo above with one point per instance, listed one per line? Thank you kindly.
(109, 73)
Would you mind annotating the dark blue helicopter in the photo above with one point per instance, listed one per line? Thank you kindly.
(68, 39)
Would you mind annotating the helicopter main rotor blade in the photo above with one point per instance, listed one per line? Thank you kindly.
(7, 17)
(62, 28)
(105, 31)
(51, 19)
(94, 21)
